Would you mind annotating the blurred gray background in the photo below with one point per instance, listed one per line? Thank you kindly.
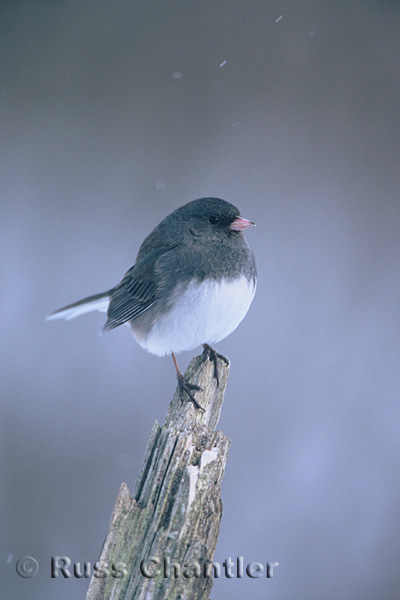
(112, 115)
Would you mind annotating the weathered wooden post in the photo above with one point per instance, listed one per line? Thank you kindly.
(161, 541)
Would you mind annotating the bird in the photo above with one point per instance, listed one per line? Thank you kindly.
(192, 283)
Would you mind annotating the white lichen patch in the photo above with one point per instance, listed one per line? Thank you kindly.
(193, 477)
(208, 457)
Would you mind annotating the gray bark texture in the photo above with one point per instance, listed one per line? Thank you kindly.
(161, 540)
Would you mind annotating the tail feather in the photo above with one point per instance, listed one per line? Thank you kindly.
(97, 302)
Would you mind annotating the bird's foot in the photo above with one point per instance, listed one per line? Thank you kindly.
(189, 388)
(213, 356)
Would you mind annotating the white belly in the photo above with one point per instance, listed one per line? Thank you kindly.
(201, 313)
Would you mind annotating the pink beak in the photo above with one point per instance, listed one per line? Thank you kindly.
(239, 224)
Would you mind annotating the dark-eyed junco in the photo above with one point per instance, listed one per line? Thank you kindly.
(192, 284)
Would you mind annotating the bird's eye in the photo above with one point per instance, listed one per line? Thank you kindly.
(214, 220)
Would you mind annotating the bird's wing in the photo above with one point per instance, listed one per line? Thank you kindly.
(137, 291)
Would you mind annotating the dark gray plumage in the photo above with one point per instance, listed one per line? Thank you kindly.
(204, 251)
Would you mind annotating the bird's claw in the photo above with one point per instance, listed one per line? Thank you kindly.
(213, 356)
(185, 386)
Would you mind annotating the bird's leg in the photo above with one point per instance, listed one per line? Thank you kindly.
(213, 356)
(185, 386)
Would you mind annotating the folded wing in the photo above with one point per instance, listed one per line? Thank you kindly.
(137, 291)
